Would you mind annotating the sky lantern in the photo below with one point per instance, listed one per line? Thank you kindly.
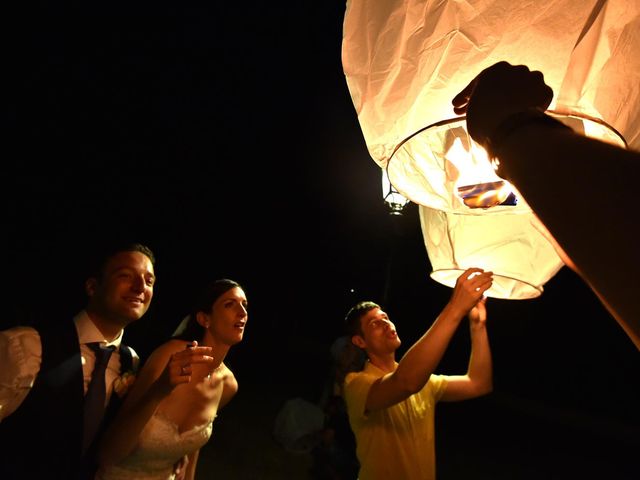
(405, 60)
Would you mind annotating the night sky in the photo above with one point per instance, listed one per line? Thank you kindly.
(224, 137)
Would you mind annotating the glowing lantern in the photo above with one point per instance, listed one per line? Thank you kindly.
(404, 61)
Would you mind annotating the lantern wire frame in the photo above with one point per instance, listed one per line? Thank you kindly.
(499, 232)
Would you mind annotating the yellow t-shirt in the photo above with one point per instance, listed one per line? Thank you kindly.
(397, 442)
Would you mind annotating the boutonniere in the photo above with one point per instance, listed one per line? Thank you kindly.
(122, 384)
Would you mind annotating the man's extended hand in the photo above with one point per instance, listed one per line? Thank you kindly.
(469, 289)
(498, 92)
(478, 314)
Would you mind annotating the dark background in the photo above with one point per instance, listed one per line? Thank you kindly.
(223, 136)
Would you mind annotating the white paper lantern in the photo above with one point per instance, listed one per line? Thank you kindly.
(405, 60)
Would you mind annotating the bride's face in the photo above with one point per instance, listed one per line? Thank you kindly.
(229, 316)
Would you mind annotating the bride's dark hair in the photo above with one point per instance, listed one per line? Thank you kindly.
(189, 329)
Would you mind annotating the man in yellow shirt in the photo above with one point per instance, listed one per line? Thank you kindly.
(391, 405)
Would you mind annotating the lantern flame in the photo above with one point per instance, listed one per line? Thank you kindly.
(475, 176)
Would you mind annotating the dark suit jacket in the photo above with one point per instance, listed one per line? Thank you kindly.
(43, 437)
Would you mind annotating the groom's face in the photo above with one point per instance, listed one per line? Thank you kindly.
(124, 291)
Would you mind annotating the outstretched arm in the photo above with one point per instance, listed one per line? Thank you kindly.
(479, 378)
(582, 189)
(422, 358)
(168, 366)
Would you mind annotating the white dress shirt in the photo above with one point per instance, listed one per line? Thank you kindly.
(21, 355)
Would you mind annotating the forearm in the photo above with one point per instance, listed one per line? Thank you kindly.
(582, 191)
(556, 169)
(421, 360)
(123, 434)
(480, 370)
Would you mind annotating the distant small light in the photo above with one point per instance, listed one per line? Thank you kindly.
(351, 290)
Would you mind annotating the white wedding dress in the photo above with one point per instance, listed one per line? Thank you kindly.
(161, 446)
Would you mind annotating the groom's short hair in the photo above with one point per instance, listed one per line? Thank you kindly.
(103, 255)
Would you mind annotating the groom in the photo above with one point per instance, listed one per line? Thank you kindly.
(60, 382)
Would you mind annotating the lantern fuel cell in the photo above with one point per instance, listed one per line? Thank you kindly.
(486, 195)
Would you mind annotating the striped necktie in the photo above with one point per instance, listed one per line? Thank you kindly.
(94, 400)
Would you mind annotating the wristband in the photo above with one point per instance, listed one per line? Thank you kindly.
(516, 121)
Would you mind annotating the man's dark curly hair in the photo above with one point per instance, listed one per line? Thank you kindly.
(352, 320)
(103, 254)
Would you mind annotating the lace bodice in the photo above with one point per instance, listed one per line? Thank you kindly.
(161, 446)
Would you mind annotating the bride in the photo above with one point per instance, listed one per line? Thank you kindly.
(169, 412)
